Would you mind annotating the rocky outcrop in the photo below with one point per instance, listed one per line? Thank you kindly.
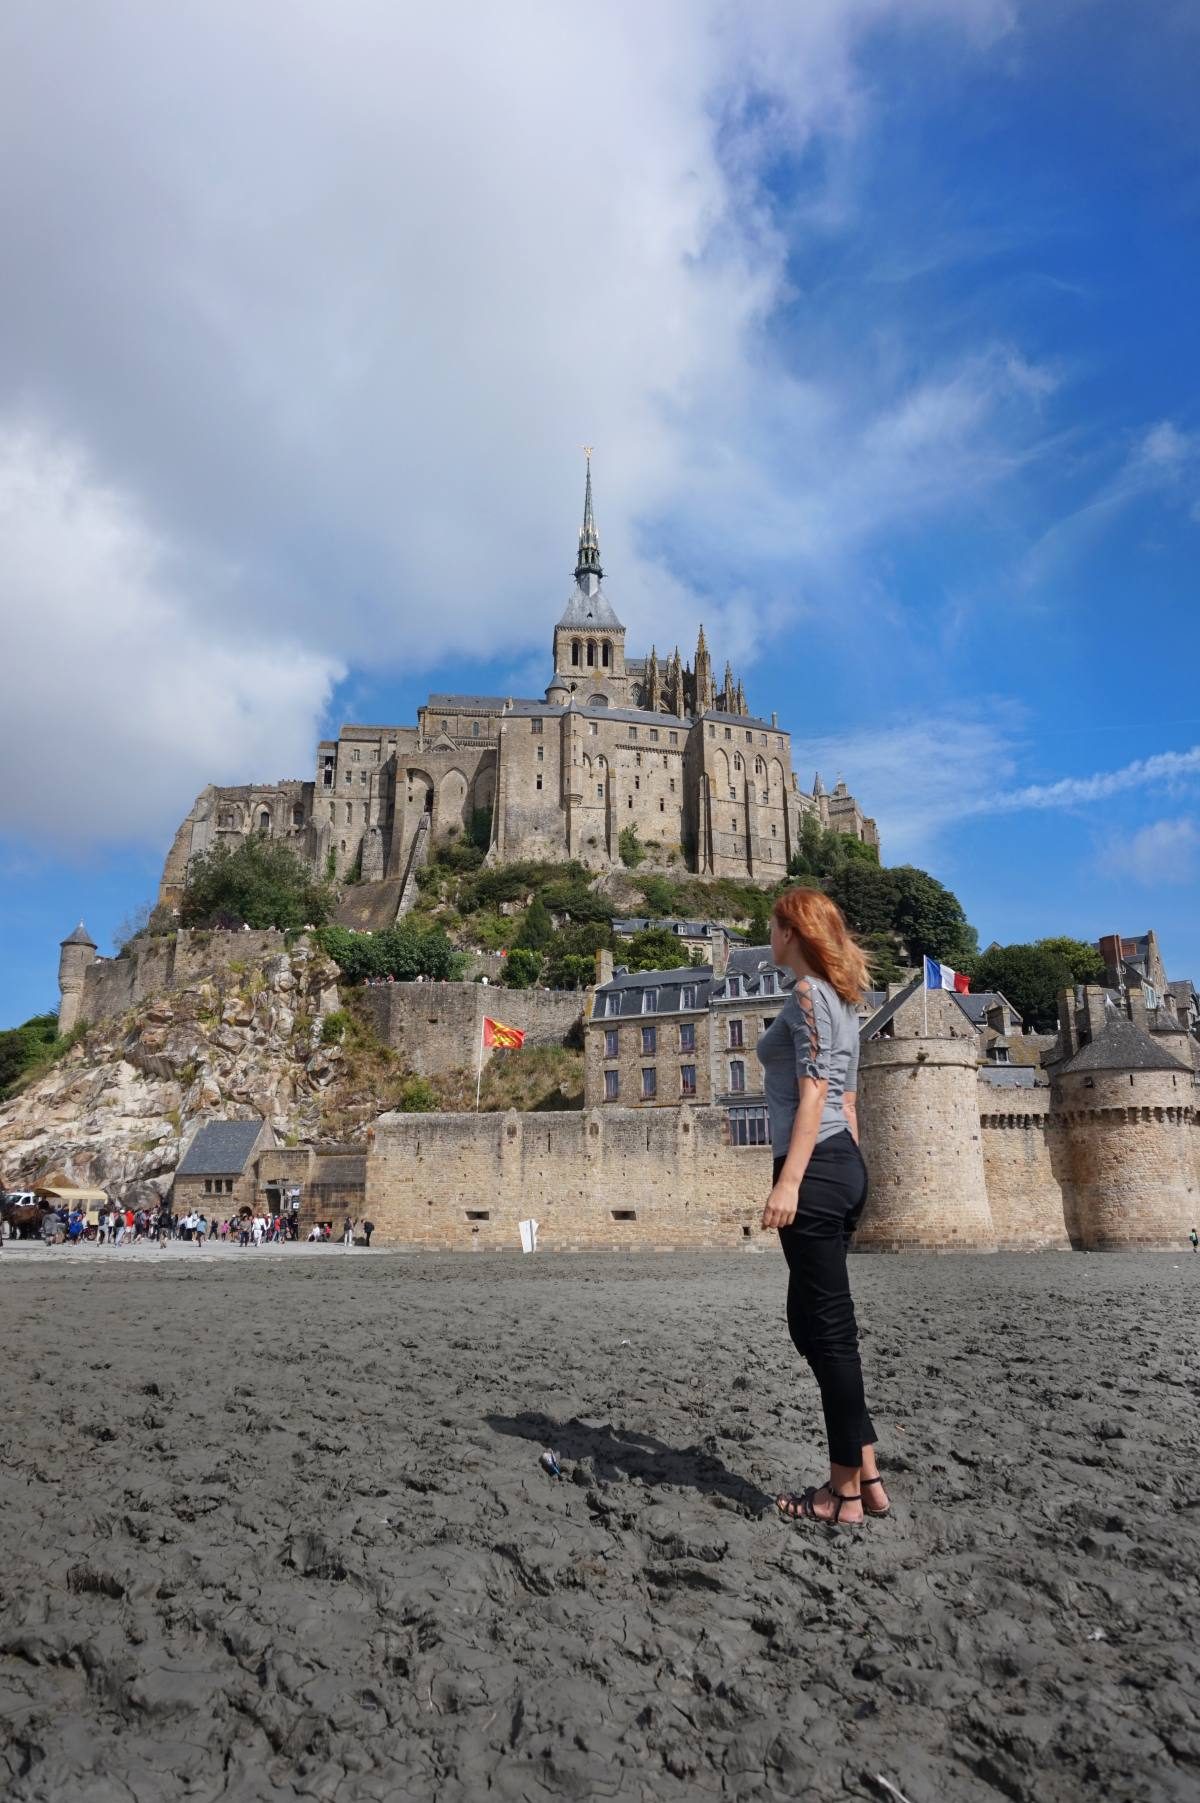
(118, 1110)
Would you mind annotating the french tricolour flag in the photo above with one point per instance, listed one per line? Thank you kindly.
(940, 976)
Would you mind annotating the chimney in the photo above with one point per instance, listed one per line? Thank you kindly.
(774, 719)
(1137, 1007)
(604, 966)
(720, 951)
(1094, 1010)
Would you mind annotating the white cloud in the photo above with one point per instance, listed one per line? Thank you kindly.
(124, 702)
(1164, 768)
(920, 776)
(1166, 851)
(326, 299)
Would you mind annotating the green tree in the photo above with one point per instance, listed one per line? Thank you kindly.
(655, 948)
(571, 959)
(630, 847)
(537, 929)
(522, 968)
(260, 881)
(882, 958)
(418, 1096)
(930, 919)
(868, 896)
(480, 829)
(758, 920)
(659, 894)
(1083, 960)
(1030, 976)
(23, 1048)
(404, 951)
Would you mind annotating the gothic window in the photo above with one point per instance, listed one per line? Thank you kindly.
(737, 760)
(607, 654)
(575, 652)
(760, 768)
(264, 821)
(591, 654)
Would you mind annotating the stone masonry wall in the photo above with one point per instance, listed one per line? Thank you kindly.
(112, 985)
(922, 1141)
(1132, 1176)
(437, 1026)
(617, 1180)
(1024, 1161)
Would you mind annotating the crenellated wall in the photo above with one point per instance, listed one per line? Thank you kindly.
(110, 986)
(1026, 1169)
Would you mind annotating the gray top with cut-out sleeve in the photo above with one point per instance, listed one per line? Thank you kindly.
(815, 1034)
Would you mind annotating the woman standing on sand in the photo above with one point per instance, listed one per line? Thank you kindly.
(809, 1056)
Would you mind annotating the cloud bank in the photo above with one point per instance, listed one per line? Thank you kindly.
(307, 309)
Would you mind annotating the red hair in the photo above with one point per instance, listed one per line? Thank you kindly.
(825, 940)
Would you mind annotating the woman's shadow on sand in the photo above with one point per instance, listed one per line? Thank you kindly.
(614, 1454)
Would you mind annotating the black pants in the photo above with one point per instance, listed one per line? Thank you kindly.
(820, 1310)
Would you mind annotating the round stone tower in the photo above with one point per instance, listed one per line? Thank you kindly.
(76, 952)
(1127, 1108)
(919, 1112)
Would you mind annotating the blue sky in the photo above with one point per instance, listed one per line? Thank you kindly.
(880, 317)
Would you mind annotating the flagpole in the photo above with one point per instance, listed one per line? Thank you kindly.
(925, 997)
(479, 1068)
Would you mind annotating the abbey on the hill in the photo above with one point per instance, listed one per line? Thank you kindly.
(616, 742)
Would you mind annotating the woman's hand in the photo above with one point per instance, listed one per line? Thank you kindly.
(780, 1210)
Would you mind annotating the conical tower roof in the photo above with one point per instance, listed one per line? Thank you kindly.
(1120, 1046)
(588, 606)
(80, 936)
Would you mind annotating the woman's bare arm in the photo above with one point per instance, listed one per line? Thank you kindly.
(850, 1110)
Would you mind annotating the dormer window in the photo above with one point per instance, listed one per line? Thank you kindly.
(768, 982)
(687, 997)
(649, 1001)
(733, 988)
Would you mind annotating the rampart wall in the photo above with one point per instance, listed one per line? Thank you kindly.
(617, 1180)
(1026, 1167)
(112, 985)
(437, 1027)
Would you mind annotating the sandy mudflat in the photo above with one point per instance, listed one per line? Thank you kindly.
(275, 1527)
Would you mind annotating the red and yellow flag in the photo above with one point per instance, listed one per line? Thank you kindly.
(495, 1033)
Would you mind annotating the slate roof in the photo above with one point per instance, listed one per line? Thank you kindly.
(1009, 1076)
(684, 929)
(747, 963)
(220, 1149)
(873, 1027)
(80, 936)
(627, 987)
(743, 720)
(468, 703)
(593, 610)
(1120, 1046)
(975, 1007)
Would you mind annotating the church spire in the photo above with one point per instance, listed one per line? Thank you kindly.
(588, 563)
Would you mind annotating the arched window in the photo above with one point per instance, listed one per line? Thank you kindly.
(575, 652)
(264, 821)
(607, 654)
(445, 726)
(474, 729)
(297, 815)
(737, 760)
(349, 812)
(591, 644)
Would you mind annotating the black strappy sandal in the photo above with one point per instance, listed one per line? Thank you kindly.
(867, 1509)
(800, 1508)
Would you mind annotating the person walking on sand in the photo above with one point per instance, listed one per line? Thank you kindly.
(1195, 1239)
(809, 1056)
(348, 1233)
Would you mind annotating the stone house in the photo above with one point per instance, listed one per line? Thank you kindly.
(217, 1173)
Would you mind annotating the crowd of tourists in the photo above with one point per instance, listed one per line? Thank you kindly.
(118, 1226)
